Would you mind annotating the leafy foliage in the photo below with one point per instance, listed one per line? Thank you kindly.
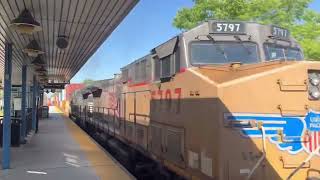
(308, 34)
(87, 82)
(303, 23)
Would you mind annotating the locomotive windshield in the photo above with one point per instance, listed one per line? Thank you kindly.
(276, 52)
(208, 52)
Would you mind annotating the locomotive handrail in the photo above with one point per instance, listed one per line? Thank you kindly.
(286, 165)
(141, 115)
(260, 126)
(238, 124)
(108, 108)
(286, 139)
(292, 87)
(303, 163)
(312, 170)
(293, 112)
(133, 92)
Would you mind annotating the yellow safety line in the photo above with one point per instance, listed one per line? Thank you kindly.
(105, 167)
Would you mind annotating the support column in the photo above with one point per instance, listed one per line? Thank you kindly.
(38, 106)
(41, 98)
(34, 102)
(23, 105)
(6, 142)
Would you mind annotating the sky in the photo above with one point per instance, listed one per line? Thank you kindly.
(148, 25)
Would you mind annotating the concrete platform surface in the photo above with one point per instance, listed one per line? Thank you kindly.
(62, 151)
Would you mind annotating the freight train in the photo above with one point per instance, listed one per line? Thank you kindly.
(225, 100)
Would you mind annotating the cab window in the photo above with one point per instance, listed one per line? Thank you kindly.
(277, 52)
(157, 68)
(208, 52)
(166, 66)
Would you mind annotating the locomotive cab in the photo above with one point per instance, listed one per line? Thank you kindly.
(219, 43)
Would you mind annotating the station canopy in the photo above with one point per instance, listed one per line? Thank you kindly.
(66, 34)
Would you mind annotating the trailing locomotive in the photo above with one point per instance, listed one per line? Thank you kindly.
(224, 100)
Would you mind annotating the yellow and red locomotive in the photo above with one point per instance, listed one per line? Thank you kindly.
(224, 100)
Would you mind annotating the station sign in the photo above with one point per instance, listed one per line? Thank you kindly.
(54, 86)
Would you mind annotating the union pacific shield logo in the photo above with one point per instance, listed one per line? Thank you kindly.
(299, 133)
(312, 139)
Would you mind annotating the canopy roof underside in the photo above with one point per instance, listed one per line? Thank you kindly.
(85, 23)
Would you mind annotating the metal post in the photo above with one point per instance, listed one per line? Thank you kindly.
(37, 108)
(23, 128)
(125, 113)
(7, 105)
(108, 123)
(135, 115)
(34, 102)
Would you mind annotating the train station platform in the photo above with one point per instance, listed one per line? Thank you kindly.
(61, 150)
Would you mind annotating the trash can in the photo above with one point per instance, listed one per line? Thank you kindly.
(45, 112)
(15, 131)
(29, 120)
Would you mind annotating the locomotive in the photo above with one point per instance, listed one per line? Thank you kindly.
(224, 100)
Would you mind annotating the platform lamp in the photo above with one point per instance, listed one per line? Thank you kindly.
(41, 70)
(42, 75)
(25, 23)
(38, 61)
(43, 79)
(33, 49)
(62, 41)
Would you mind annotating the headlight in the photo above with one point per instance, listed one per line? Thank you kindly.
(314, 92)
(314, 79)
(314, 84)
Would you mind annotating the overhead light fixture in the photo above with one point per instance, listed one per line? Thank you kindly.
(62, 42)
(43, 77)
(43, 81)
(33, 49)
(41, 69)
(42, 72)
(38, 61)
(25, 23)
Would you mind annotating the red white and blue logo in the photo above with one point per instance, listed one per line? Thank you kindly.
(299, 133)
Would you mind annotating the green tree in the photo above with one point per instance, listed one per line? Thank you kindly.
(292, 14)
(87, 82)
(308, 34)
